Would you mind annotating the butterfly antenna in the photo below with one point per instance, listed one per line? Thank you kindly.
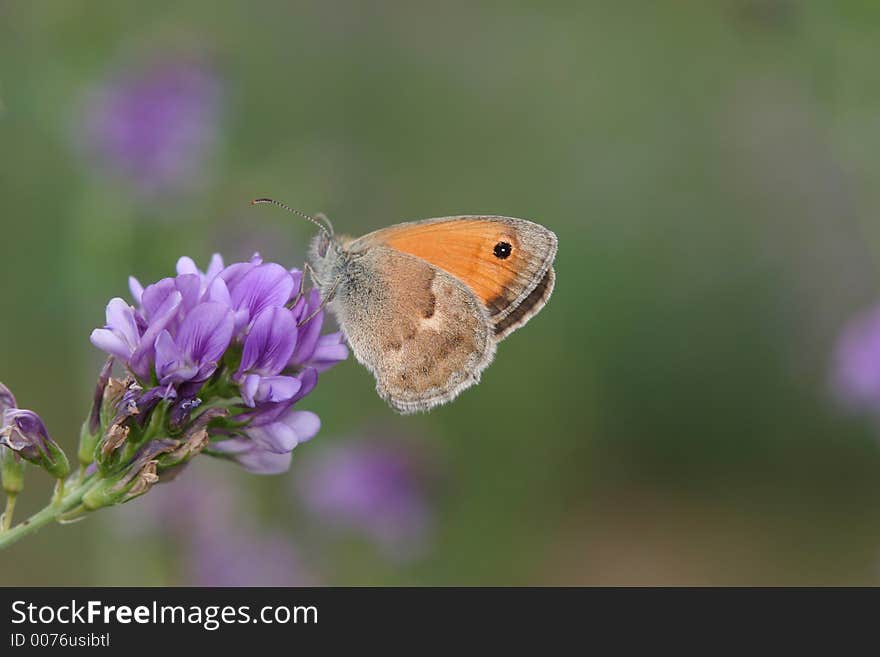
(326, 229)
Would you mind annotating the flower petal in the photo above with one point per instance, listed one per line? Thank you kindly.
(164, 314)
(235, 445)
(171, 364)
(120, 319)
(309, 333)
(186, 265)
(205, 333)
(28, 434)
(236, 271)
(248, 388)
(276, 388)
(136, 289)
(291, 429)
(262, 287)
(217, 291)
(309, 378)
(330, 350)
(270, 342)
(215, 266)
(261, 461)
(107, 341)
(276, 437)
(155, 296)
(189, 286)
(304, 423)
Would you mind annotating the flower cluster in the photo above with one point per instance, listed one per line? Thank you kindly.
(220, 357)
(214, 361)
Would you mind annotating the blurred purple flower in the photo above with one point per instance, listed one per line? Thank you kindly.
(377, 487)
(217, 542)
(856, 361)
(154, 125)
(238, 560)
(237, 322)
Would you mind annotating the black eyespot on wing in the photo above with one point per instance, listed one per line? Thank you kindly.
(502, 250)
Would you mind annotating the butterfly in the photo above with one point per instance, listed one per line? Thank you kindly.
(424, 304)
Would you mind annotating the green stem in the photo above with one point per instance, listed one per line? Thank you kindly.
(48, 514)
(59, 492)
(6, 518)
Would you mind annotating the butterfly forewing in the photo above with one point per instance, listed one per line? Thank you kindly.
(506, 262)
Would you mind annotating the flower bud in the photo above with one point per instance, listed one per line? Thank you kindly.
(127, 405)
(151, 398)
(135, 480)
(193, 444)
(24, 433)
(98, 398)
(11, 466)
(181, 412)
(194, 440)
(113, 393)
(109, 452)
(90, 433)
(143, 480)
(116, 436)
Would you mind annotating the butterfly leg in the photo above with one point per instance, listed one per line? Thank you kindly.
(302, 287)
(327, 299)
(315, 280)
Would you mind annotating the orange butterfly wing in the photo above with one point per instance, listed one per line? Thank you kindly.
(506, 262)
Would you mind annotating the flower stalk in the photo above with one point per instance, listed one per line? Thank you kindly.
(49, 514)
(6, 518)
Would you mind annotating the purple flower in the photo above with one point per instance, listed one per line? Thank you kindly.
(200, 342)
(313, 349)
(260, 287)
(272, 430)
(329, 349)
(377, 487)
(269, 438)
(856, 361)
(154, 126)
(270, 342)
(308, 341)
(130, 337)
(24, 433)
(244, 327)
(240, 559)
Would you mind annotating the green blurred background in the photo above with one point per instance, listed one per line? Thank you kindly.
(710, 168)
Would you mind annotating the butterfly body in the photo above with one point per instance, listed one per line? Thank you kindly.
(424, 304)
